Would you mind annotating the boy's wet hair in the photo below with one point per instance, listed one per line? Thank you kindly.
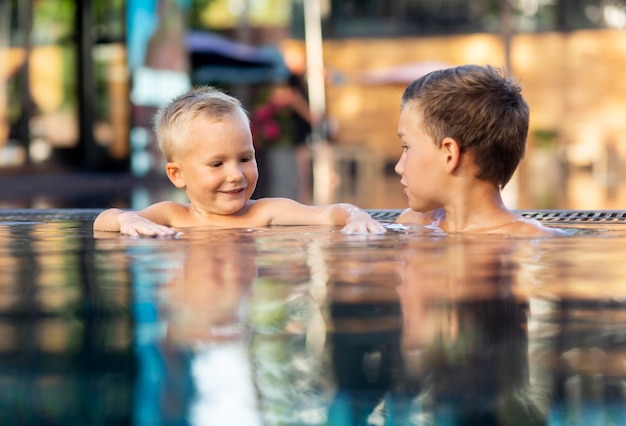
(171, 121)
(480, 108)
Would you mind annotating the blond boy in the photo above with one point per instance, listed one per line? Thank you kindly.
(206, 140)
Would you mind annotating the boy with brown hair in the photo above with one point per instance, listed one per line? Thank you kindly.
(463, 132)
(206, 140)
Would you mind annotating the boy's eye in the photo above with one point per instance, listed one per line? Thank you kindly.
(216, 164)
(246, 159)
(404, 147)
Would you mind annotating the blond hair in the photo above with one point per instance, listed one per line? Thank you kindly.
(171, 121)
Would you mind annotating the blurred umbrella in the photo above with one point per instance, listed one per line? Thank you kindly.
(216, 59)
(401, 74)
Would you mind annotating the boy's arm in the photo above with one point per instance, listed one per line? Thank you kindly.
(354, 219)
(283, 211)
(129, 223)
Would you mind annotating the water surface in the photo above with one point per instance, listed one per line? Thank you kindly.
(308, 326)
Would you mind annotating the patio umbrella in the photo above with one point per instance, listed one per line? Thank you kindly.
(217, 59)
(401, 74)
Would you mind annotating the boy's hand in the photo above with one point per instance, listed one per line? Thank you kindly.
(134, 225)
(363, 224)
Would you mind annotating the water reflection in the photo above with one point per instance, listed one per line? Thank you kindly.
(66, 330)
(308, 326)
(192, 308)
(577, 326)
(205, 307)
(465, 340)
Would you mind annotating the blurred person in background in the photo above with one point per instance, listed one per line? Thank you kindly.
(302, 120)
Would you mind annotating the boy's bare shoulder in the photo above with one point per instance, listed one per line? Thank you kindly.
(268, 202)
(170, 213)
(274, 209)
(167, 206)
(525, 227)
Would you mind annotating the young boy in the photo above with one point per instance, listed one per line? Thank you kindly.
(463, 132)
(206, 140)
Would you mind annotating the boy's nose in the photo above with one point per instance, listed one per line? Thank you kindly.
(399, 168)
(235, 173)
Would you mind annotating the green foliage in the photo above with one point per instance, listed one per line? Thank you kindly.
(545, 138)
(53, 21)
(108, 18)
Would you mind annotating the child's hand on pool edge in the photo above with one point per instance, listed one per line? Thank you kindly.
(134, 225)
(364, 225)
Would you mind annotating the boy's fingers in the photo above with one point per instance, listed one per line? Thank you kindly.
(377, 227)
(369, 227)
(147, 229)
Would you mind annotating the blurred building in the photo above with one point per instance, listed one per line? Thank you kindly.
(80, 79)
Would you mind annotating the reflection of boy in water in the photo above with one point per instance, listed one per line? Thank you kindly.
(465, 344)
(206, 299)
(206, 313)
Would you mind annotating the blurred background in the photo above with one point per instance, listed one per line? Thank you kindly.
(81, 79)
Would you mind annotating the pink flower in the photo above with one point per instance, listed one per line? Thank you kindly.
(271, 131)
(269, 124)
(265, 112)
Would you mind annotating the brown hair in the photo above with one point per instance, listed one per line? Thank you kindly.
(171, 121)
(480, 108)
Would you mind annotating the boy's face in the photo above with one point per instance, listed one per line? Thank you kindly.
(217, 167)
(420, 163)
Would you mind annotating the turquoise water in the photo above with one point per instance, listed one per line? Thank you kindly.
(308, 326)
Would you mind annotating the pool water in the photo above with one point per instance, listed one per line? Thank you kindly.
(309, 326)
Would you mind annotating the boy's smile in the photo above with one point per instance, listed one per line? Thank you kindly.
(235, 191)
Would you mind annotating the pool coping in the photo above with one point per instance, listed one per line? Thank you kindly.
(549, 216)
(560, 216)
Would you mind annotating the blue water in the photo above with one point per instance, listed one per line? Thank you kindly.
(308, 326)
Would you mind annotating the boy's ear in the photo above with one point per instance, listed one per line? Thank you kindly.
(452, 153)
(175, 175)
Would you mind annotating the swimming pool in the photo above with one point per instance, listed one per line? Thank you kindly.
(308, 326)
